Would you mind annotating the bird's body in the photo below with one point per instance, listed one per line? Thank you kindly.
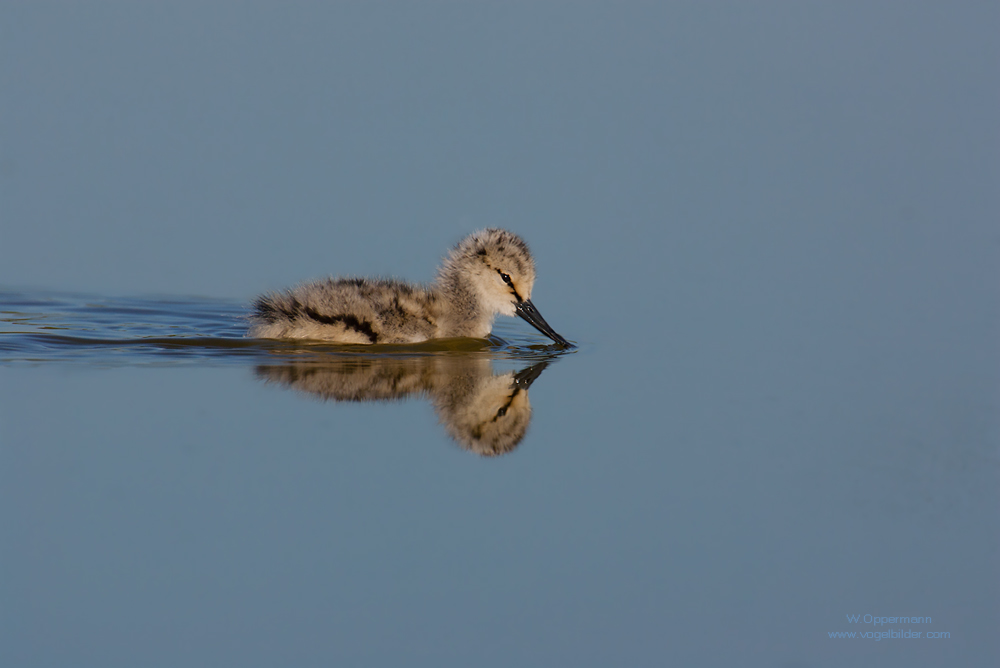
(487, 273)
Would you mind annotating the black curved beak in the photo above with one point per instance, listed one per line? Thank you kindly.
(527, 311)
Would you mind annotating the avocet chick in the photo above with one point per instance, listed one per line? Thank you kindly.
(488, 273)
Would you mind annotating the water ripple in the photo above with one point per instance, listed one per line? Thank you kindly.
(38, 327)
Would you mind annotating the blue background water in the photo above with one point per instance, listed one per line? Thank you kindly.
(771, 229)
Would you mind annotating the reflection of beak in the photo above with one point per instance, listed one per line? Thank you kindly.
(525, 377)
(527, 311)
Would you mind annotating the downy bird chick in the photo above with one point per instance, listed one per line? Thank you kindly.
(489, 272)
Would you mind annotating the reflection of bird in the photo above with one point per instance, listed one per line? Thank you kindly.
(484, 412)
(488, 415)
(487, 273)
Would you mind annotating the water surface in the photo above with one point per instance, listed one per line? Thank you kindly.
(172, 489)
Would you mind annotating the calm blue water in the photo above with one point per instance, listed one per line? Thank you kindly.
(770, 229)
(174, 493)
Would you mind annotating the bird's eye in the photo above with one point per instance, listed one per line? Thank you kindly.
(505, 277)
(502, 412)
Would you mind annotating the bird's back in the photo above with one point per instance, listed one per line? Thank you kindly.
(348, 310)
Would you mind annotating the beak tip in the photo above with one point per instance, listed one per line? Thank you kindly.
(527, 312)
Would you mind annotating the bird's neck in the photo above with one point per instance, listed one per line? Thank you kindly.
(462, 312)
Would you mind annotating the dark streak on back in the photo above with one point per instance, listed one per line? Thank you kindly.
(348, 321)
